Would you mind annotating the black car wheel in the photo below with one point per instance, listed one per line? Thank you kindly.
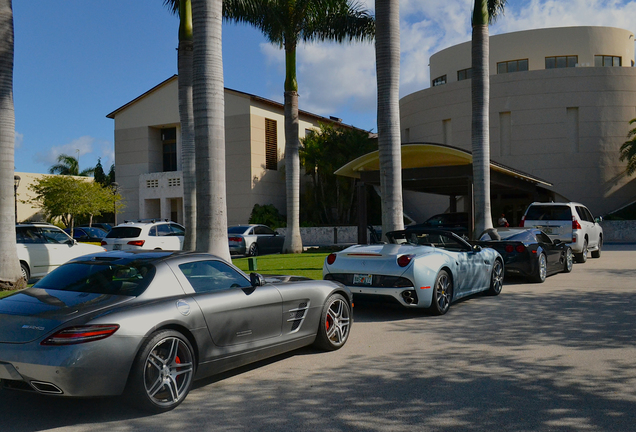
(253, 251)
(568, 261)
(582, 257)
(335, 323)
(597, 253)
(442, 294)
(496, 278)
(25, 271)
(542, 269)
(162, 373)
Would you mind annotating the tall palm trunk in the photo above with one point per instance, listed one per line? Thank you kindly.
(186, 118)
(209, 127)
(480, 118)
(387, 49)
(10, 274)
(293, 241)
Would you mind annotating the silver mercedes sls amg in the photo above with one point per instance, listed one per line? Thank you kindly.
(146, 324)
(421, 268)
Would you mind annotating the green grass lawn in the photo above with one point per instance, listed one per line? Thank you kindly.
(306, 264)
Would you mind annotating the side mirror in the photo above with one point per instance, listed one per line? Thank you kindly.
(256, 280)
(557, 241)
(598, 219)
(476, 248)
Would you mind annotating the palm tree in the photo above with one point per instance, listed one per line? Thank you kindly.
(184, 62)
(387, 49)
(484, 12)
(68, 165)
(286, 23)
(628, 150)
(10, 274)
(209, 127)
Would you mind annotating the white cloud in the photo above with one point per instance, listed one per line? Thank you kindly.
(83, 145)
(18, 140)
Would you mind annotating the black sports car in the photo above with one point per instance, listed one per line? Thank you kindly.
(528, 252)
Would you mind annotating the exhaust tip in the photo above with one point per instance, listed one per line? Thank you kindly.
(409, 297)
(44, 387)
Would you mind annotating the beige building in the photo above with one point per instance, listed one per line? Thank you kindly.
(148, 153)
(560, 104)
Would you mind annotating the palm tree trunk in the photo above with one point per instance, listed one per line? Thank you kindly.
(387, 48)
(209, 128)
(10, 274)
(293, 241)
(188, 165)
(480, 118)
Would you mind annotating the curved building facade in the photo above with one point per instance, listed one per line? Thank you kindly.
(560, 104)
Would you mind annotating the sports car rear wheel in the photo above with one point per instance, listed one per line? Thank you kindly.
(496, 278)
(162, 373)
(569, 261)
(335, 323)
(442, 294)
(542, 269)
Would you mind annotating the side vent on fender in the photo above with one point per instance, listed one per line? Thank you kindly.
(297, 315)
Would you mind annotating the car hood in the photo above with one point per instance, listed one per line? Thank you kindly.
(34, 312)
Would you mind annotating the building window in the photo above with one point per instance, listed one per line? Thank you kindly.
(561, 62)
(607, 61)
(464, 74)
(512, 66)
(169, 144)
(439, 81)
(271, 145)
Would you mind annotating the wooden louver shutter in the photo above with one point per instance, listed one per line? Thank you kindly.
(271, 145)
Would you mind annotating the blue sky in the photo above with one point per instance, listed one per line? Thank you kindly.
(78, 60)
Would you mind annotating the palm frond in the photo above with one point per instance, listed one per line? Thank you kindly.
(495, 9)
(172, 5)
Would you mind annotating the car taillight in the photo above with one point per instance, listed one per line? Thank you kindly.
(509, 248)
(235, 239)
(81, 334)
(520, 248)
(137, 242)
(523, 220)
(331, 258)
(575, 223)
(404, 260)
(104, 242)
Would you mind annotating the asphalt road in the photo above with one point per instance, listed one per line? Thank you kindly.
(557, 356)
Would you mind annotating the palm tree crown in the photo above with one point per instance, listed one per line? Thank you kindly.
(68, 165)
(628, 150)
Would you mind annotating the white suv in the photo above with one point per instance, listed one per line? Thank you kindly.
(569, 222)
(43, 247)
(152, 234)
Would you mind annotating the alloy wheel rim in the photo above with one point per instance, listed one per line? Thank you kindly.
(569, 260)
(443, 292)
(497, 277)
(337, 322)
(168, 371)
(542, 267)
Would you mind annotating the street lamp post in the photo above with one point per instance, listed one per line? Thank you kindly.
(114, 186)
(16, 183)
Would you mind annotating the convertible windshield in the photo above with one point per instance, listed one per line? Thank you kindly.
(442, 240)
(130, 279)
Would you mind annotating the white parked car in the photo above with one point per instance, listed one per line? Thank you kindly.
(152, 234)
(569, 222)
(43, 247)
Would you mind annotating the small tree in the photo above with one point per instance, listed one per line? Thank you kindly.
(332, 197)
(628, 150)
(99, 175)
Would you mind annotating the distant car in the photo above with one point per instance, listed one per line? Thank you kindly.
(86, 234)
(43, 247)
(456, 222)
(569, 222)
(149, 323)
(152, 234)
(419, 268)
(528, 252)
(253, 240)
(105, 226)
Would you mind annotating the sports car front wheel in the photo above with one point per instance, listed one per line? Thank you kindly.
(335, 323)
(442, 294)
(162, 373)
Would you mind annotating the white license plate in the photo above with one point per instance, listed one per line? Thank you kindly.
(362, 279)
(116, 247)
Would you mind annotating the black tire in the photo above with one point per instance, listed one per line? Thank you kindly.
(542, 269)
(568, 261)
(26, 274)
(582, 257)
(253, 251)
(496, 278)
(161, 375)
(597, 252)
(442, 294)
(335, 323)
